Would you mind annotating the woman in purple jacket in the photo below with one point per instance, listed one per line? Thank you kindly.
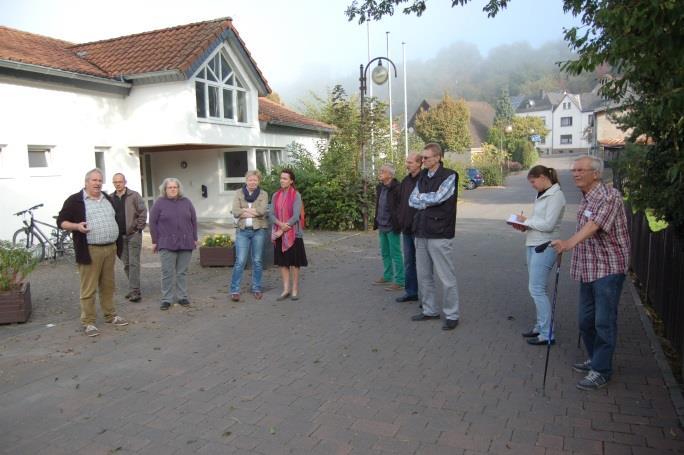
(173, 226)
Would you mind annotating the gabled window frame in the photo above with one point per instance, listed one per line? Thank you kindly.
(216, 83)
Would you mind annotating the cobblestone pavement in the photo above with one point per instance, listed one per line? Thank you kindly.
(343, 370)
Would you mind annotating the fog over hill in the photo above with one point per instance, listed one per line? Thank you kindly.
(462, 71)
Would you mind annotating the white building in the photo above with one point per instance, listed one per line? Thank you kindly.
(568, 117)
(185, 102)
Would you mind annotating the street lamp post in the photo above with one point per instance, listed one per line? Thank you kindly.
(506, 130)
(380, 74)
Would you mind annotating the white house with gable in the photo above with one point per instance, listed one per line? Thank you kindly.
(568, 117)
(186, 102)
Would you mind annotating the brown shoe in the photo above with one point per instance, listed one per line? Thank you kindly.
(394, 287)
(235, 297)
(258, 295)
(380, 281)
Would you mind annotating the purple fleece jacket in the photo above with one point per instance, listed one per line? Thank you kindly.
(173, 224)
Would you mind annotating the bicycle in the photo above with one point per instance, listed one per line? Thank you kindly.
(58, 244)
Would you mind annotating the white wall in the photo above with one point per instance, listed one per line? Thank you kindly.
(579, 124)
(73, 123)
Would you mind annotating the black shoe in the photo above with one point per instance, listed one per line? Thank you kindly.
(407, 298)
(530, 334)
(538, 342)
(165, 306)
(423, 317)
(184, 302)
(450, 324)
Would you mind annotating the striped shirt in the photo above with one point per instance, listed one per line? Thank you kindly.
(607, 251)
(101, 220)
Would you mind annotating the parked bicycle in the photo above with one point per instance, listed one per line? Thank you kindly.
(58, 244)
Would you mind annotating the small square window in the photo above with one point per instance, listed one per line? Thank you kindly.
(566, 139)
(38, 157)
(566, 121)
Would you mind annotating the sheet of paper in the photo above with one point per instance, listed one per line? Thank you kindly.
(513, 219)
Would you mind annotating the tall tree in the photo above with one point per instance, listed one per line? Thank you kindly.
(448, 124)
(504, 109)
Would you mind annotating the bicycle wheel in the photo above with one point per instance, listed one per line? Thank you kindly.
(66, 246)
(26, 239)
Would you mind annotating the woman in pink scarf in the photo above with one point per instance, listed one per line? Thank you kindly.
(287, 218)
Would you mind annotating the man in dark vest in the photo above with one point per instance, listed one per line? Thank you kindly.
(406, 213)
(434, 225)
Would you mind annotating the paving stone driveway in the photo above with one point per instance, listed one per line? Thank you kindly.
(343, 370)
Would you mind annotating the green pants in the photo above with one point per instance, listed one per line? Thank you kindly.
(392, 261)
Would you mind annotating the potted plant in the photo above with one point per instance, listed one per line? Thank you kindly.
(217, 250)
(16, 264)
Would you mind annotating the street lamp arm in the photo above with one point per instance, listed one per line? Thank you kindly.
(364, 71)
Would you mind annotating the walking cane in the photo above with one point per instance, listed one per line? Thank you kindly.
(540, 249)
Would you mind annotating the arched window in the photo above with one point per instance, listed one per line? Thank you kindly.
(220, 94)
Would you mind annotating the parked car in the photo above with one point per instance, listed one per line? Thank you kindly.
(473, 178)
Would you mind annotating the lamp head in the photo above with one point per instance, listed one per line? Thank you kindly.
(380, 74)
(508, 129)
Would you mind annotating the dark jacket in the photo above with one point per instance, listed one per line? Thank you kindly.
(74, 211)
(406, 212)
(392, 203)
(135, 211)
(437, 221)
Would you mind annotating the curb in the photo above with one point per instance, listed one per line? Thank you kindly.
(670, 382)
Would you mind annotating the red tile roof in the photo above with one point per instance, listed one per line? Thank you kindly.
(175, 48)
(24, 47)
(277, 114)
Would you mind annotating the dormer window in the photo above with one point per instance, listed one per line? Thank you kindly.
(219, 93)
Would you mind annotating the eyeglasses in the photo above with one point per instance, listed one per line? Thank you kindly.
(426, 157)
(582, 171)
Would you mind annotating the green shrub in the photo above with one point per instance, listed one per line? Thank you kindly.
(491, 173)
(16, 263)
(530, 156)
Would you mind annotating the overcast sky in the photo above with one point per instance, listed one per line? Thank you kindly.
(290, 38)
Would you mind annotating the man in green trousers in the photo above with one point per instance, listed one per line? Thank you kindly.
(387, 223)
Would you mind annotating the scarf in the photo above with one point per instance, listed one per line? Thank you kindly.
(253, 197)
(283, 207)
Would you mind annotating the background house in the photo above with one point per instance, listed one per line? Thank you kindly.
(186, 101)
(568, 117)
(481, 119)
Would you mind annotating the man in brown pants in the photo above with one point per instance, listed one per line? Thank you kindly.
(89, 215)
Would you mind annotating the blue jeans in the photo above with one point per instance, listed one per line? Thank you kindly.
(598, 320)
(410, 275)
(246, 239)
(539, 266)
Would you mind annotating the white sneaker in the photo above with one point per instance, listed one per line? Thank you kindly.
(91, 331)
(118, 320)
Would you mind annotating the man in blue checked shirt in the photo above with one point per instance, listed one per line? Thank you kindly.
(434, 225)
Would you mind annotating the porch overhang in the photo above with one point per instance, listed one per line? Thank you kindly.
(179, 147)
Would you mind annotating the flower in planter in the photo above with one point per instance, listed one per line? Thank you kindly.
(218, 240)
(16, 263)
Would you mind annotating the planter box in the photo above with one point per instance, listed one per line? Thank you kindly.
(15, 306)
(211, 256)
